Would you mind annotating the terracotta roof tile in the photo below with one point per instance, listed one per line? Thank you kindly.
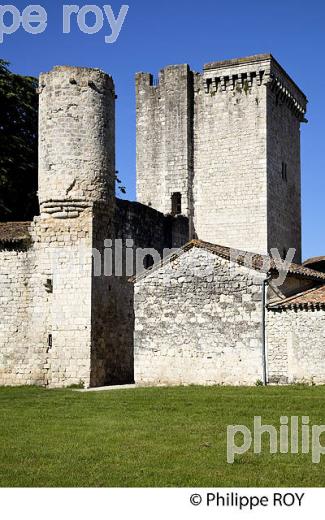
(14, 231)
(313, 298)
(257, 261)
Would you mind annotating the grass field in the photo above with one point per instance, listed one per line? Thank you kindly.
(149, 437)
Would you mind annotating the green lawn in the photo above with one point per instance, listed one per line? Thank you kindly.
(149, 437)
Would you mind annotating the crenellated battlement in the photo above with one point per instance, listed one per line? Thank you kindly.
(245, 74)
(242, 80)
(246, 81)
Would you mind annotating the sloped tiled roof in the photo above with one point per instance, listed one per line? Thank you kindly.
(313, 298)
(256, 261)
(316, 263)
(245, 258)
(11, 232)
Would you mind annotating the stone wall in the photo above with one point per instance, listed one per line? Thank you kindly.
(112, 305)
(230, 156)
(296, 346)
(63, 322)
(198, 321)
(138, 230)
(246, 125)
(62, 251)
(283, 151)
(21, 362)
(45, 305)
(148, 227)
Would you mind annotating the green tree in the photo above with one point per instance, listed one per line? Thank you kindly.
(18, 145)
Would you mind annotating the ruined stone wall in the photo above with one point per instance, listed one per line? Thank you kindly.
(295, 345)
(21, 361)
(164, 138)
(198, 321)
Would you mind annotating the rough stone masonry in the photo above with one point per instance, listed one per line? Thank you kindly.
(218, 168)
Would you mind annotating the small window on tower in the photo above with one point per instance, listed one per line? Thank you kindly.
(285, 171)
(176, 203)
(148, 261)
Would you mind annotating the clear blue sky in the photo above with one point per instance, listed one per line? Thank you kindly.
(156, 34)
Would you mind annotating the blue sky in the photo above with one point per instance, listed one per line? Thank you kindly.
(156, 34)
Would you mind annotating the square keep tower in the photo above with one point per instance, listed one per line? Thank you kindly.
(223, 148)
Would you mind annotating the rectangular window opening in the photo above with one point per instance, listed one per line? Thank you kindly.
(284, 171)
(176, 204)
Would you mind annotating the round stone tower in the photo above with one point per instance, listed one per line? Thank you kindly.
(76, 141)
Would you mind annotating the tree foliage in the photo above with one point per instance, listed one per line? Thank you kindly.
(18, 145)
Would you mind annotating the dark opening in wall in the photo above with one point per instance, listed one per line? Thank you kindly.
(176, 204)
(148, 261)
(284, 171)
(49, 285)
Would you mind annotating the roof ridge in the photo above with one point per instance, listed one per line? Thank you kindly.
(224, 252)
(295, 268)
(257, 263)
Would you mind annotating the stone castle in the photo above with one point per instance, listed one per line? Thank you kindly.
(218, 175)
